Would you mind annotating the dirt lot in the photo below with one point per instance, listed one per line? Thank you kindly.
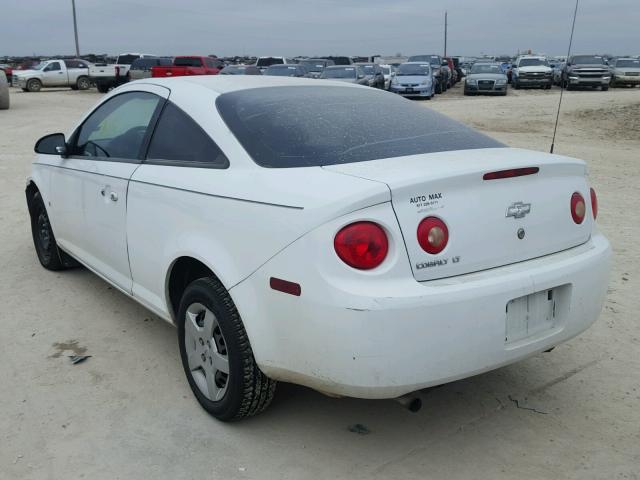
(127, 411)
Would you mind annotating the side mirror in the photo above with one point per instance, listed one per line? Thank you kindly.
(54, 144)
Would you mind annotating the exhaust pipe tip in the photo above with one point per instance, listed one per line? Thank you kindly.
(410, 402)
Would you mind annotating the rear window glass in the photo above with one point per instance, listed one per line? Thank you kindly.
(312, 125)
(188, 62)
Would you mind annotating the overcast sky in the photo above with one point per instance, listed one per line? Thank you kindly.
(318, 27)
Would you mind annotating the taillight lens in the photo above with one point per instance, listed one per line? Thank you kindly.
(362, 245)
(433, 235)
(594, 203)
(578, 208)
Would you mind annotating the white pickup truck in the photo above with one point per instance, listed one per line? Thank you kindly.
(73, 73)
(109, 76)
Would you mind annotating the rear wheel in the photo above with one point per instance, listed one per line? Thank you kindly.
(102, 88)
(216, 354)
(83, 83)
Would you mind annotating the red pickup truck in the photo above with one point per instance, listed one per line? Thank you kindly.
(183, 66)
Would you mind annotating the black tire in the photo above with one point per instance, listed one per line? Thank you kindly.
(102, 88)
(605, 88)
(44, 241)
(83, 83)
(34, 85)
(248, 390)
(516, 85)
(438, 88)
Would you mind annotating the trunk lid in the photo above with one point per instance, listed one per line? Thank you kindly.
(450, 186)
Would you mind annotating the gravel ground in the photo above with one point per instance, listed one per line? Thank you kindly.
(127, 412)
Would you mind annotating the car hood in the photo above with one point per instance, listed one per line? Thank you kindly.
(535, 68)
(627, 69)
(411, 78)
(346, 80)
(22, 73)
(486, 76)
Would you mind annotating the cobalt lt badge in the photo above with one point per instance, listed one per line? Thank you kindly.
(521, 233)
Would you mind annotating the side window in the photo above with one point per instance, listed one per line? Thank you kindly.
(118, 127)
(177, 138)
(52, 67)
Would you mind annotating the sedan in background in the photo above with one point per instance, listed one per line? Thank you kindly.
(414, 79)
(374, 74)
(318, 233)
(488, 78)
(348, 74)
(240, 70)
(286, 70)
(315, 66)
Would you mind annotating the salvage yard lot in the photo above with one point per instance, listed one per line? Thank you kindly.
(127, 411)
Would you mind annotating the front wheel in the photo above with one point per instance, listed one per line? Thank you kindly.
(34, 85)
(44, 241)
(605, 88)
(216, 354)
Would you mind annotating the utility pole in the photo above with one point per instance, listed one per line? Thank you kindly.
(75, 27)
(445, 33)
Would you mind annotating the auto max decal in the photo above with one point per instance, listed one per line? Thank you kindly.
(437, 263)
(427, 202)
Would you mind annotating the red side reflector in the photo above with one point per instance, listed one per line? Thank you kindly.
(285, 286)
(514, 172)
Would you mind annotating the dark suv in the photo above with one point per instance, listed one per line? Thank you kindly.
(586, 71)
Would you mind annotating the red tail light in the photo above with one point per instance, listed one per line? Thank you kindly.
(362, 245)
(433, 235)
(594, 203)
(578, 208)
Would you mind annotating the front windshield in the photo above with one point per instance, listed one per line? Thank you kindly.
(533, 62)
(369, 70)
(386, 70)
(587, 60)
(414, 69)
(268, 61)
(280, 71)
(348, 72)
(485, 68)
(628, 63)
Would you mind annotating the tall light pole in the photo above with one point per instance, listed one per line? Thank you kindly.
(75, 27)
(445, 33)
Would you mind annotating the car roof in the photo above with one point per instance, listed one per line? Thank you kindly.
(224, 84)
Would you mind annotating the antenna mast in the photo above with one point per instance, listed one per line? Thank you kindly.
(555, 128)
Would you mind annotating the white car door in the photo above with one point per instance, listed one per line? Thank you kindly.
(53, 75)
(89, 187)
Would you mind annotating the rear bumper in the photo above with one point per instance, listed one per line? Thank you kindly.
(371, 341)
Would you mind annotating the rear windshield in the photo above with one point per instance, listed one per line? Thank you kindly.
(268, 61)
(188, 62)
(300, 126)
(339, 72)
(127, 59)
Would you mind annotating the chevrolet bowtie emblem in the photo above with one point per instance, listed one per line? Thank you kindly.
(518, 210)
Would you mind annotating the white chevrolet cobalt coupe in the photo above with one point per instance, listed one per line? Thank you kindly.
(293, 231)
